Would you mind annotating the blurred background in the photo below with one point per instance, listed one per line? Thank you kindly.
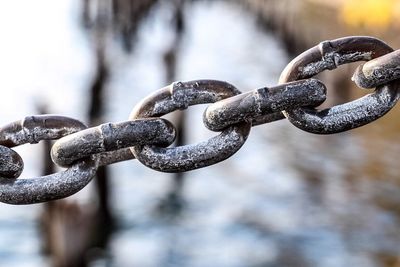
(287, 198)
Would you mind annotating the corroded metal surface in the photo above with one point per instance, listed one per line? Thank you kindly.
(378, 71)
(181, 95)
(11, 164)
(50, 187)
(146, 136)
(33, 129)
(110, 157)
(58, 185)
(254, 105)
(329, 55)
(112, 137)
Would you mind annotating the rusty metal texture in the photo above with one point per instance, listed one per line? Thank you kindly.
(378, 71)
(329, 55)
(55, 186)
(11, 164)
(254, 105)
(112, 138)
(181, 95)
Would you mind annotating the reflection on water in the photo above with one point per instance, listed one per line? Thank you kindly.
(287, 198)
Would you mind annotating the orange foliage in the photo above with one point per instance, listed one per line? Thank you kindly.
(373, 14)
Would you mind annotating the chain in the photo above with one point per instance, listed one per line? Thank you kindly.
(147, 137)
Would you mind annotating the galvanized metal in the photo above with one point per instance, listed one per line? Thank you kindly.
(112, 137)
(55, 186)
(11, 164)
(254, 105)
(378, 71)
(329, 55)
(181, 95)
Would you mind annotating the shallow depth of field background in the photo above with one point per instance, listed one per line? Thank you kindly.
(287, 198)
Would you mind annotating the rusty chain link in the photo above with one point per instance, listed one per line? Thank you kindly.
(146, 136)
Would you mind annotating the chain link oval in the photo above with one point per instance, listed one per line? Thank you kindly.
(181, 95)
(329, 55)
(115, 138)
(254, 105)
(55, 186)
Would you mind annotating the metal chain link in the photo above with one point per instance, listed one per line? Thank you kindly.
(109, 137)
(181, 95)
(329, 55)
(32, 130)
(146, 136)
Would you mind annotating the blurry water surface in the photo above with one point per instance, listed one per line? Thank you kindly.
(287, 198)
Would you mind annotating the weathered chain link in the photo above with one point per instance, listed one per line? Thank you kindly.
(59, 185)
(112, 137)
(329, 55)
(261, 104)
(146, 136)
(378, 71)
(181, 95)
